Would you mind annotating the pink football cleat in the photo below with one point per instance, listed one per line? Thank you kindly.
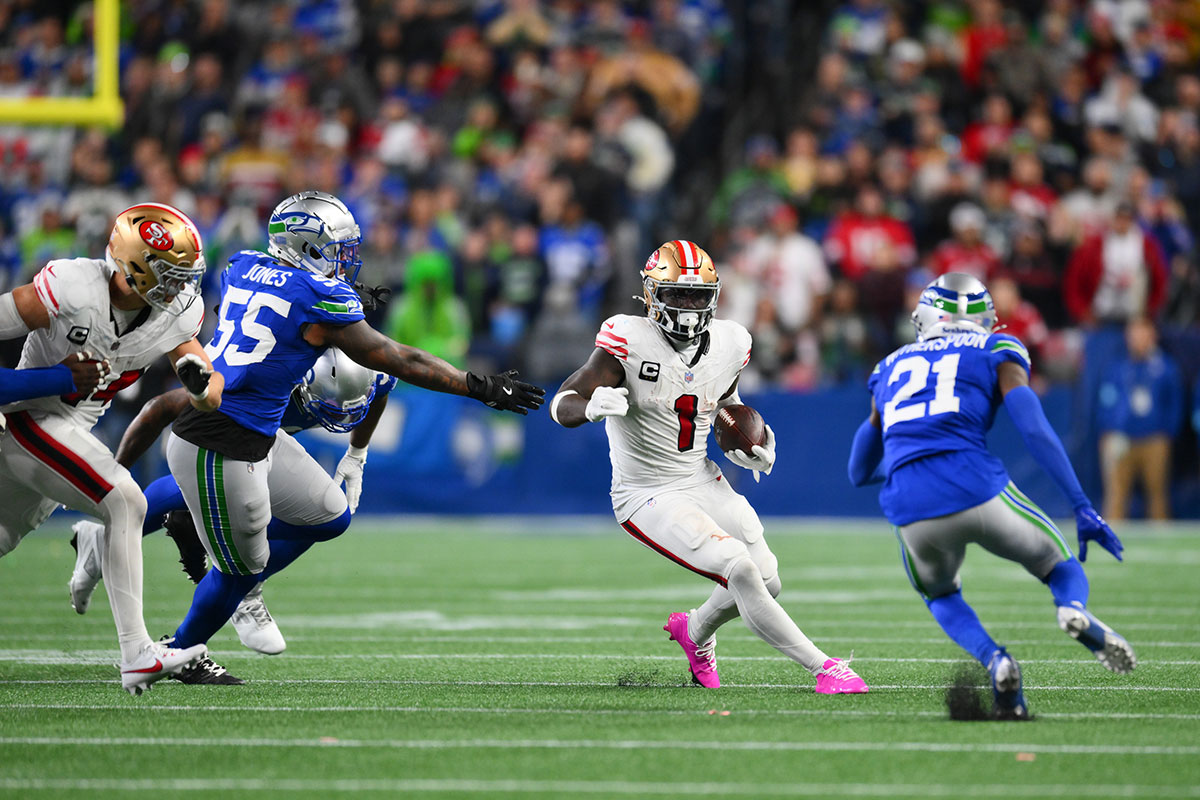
(701, 660)
(836, 677)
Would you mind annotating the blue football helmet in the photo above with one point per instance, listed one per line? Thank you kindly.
(337, 392)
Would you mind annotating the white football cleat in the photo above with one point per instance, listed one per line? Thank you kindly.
(155, 662)
(1108, 646)
(255, 626)
(88, 541)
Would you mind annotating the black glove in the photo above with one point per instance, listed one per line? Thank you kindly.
(193, 374)
(505, 392)
(373, 297)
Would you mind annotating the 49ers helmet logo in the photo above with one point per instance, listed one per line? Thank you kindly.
(154, 234)
(652, 261)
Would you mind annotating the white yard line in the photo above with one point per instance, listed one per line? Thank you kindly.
(606, 744)
(564, 788)
(500, 710)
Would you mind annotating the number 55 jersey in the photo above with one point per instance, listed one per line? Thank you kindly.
(662, 442)
(937, 400)
(259, 347)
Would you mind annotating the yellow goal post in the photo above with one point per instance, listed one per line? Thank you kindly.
(104, 107)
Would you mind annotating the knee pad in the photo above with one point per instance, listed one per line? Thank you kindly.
(744, 574)
(774, 585)
(124, 505)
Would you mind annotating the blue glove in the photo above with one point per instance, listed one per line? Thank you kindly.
(1093, 528)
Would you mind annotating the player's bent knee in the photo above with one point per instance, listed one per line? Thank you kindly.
(744, 573)
(124, 505)
(331, 529)
(774, 585)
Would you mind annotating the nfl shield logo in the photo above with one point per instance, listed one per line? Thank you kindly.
(688, 376)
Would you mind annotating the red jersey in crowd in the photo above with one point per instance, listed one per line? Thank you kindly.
(1032, 200)
(1026, 323)
(954, 256)
(857, 243)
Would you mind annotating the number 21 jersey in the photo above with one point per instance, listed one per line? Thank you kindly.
(937, 400)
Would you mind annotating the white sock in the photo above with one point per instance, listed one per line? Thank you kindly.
(768, 620)
(719, 608)
(123, 510)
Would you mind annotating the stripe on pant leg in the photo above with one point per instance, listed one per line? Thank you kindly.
(58, 457)
(223, 515)
(206, 510)
(1040, 522)
(909, 567)
(636, 533)
(1024, 502)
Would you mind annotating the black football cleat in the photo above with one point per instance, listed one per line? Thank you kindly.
(207, 671)
(182, 531)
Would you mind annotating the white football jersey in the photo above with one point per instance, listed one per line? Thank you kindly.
(662, 442)
(75, 294)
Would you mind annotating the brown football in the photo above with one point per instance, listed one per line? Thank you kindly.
(739, 428)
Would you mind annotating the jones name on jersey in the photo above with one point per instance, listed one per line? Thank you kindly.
(75, 292)
(662, 442)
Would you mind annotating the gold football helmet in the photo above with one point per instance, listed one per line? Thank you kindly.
(680, 289)
(159, 251)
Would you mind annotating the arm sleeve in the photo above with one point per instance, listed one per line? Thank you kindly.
(1043, 443)
(24, 384)
(866, 454)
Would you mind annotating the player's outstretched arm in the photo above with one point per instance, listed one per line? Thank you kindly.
(591, 393)
(195, 371)
(866, 452)
(1047, 449)
(156, 415)
(372, 349)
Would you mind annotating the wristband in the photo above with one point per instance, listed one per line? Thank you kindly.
(558, 399)
(357, 452)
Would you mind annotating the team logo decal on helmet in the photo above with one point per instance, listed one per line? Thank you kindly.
(155, 235)
(680, 289)
(954, 303)
(160, 252)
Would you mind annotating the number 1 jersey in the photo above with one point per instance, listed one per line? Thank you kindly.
(259, 344)
(937, 400)
(662, 443)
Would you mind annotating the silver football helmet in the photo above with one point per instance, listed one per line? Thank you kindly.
(316, 231)
(337, 391)
(954, 303)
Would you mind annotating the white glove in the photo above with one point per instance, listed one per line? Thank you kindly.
(761, 458)
(350, 469)
(607, 402)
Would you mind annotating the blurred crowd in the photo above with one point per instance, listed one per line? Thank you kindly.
(512, 162)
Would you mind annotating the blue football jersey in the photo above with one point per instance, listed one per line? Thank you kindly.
(297, 418)
(258, 345)
(937, 400)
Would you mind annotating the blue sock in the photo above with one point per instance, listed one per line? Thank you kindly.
(216, 598)
(289, 542)
(162, 496)
(961, 624)
(1068, 583)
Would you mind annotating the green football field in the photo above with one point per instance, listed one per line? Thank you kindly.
(502, 659)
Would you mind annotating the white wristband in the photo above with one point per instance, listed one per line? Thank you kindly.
(357, 452)
(199, 398)
(558, 399)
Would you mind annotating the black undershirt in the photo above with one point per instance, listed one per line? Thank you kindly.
(218, 432)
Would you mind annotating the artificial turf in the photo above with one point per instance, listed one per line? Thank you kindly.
(516, 659)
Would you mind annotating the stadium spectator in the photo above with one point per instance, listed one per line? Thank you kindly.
(1141, 408)
(966, 252)
(1116, 276)
(429, 315)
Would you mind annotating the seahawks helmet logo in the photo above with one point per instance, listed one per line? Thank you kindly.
(296, 222)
